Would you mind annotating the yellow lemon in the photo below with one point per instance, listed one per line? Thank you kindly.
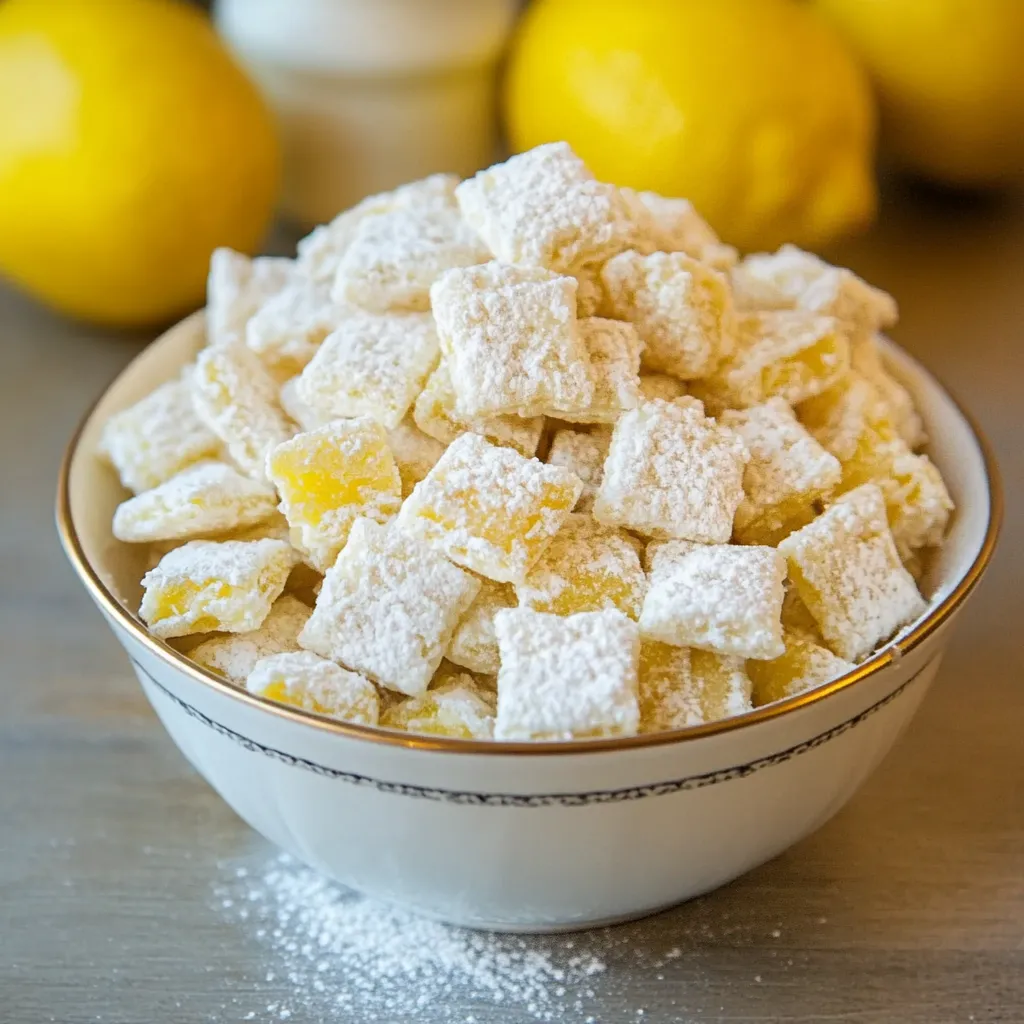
(950, 81)
(131, 145)
(752, 109)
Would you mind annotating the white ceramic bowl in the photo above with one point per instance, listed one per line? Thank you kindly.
(532, 837)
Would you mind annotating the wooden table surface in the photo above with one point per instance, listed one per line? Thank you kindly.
(908, 907)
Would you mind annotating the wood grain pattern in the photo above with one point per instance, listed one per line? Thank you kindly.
(907, 908)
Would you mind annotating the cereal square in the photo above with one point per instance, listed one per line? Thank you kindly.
(510, 338)
(237, 399)
(803, 665)
(672, 472)
(395, 257)
(614, 350)
(459, 708)
(584, 455)
(564, 678)
(415, 453)
(436, 414)
(302, 680)
(234, 656)
(866, 359)
(388, 608)
(206, 586)
(206, 498)
(157, 437)
(665, 224)
(846, 569)
(721, 598)
(680, 307)
(490, 509)
(543, 208)
(587, 567)
(474, 644)
(236, 288)
(331, 476)
(673, 696)
(787, 473)
(789, 353)
(370, 366)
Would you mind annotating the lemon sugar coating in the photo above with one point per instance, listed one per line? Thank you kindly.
(587, 567)
(614, 350)
(678, 687)
(436, 414)
(237, 399)
(672, 472)
(489, 508)
(157, 437)
(786, 353)
(303, 680)
(233, 656)
(329, 477)
(388, 608)
(370, 366)
(415, 453)
(458, 708)
(236, 288)
(582, 454)
(510, 339)
(848, 573)
(722, 598)
(474, 644)
(207, 586)
(565, 677)
(543, 208)
(788, 471)
(395, 257)
(205, 498)
(288, 327)
(681, 308)
(803, 665)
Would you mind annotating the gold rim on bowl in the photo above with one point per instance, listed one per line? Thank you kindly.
(377, 734)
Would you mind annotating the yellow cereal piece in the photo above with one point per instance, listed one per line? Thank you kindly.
(234, 656)
(237, 399)
(587, 567)
(370, 366)
(847, 571)
(543, 208)
(207, 586)
(236, 288)
(329, 477)
(288, 328)
(157, 437)
(789, 353)
(722, 598)
(614, 350)
(206, 498)
(850, 420)
(673, 696)
(510, 339)
(302, 680)
(320, 252)
(681, 308)
(458, 708)
(796, 618)
(794, 279)
(388, 608)
(804, 665)
(673, 225)
(866, 360)
(661, 386)
(394, 258)
(672, 472)
(415, 452)
(489, 508)
(474, 644)
(787, 473)
(435, 413)
(568, 677)
(584, 455)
